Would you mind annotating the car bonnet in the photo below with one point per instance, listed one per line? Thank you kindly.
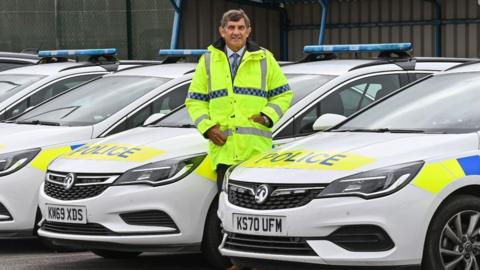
(130, 149)
(327, 156)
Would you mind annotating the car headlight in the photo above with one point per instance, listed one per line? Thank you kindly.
(14, 161)
(374, 183)
(226, 177)
(162, 172)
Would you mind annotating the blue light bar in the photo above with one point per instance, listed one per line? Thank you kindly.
(358, 48)
(74, 53)
(186, 52)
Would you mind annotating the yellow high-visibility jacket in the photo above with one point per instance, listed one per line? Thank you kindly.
(259, 87)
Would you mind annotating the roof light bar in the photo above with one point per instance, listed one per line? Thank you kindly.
(358, 48)
(188, 52)
(74, 53)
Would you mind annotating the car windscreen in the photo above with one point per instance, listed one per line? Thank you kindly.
(93, 102)
(10, 84)
(441, 104)
(301, 84)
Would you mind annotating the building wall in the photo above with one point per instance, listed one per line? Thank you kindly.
(69, 24)
(201, 18)
(368, 21)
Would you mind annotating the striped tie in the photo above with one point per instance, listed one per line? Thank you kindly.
(235, 57)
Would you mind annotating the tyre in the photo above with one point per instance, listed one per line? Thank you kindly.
(212, 238)
(453, 239)
(113, 254)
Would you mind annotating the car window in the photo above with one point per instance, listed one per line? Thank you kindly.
(10, 84)
(347, 100)
(164, 104)
(440, 104)
(93, 102)
(48, 92)
(417, 76)
(304, 84)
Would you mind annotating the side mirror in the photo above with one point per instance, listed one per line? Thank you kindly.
(153, 118)
(327, 120)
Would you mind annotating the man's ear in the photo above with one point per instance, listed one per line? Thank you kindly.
(221, 30)
(249, 30)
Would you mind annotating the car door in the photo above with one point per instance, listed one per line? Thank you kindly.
(344, 100)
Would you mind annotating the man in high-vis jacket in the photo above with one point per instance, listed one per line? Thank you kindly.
(237, 94)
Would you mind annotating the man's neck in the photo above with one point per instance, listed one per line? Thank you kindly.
(230, 50)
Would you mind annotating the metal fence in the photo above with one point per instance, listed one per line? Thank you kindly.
(137, 28)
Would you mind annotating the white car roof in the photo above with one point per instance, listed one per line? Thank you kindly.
(21, 57)
(326, 67)
(338, 67)
(171, 71)
(467, 67)
(51, 69)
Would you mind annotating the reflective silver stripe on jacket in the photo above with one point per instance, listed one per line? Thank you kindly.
(253, 131)
(200, 119)
(277, 109)
(227, 132)
(248, 131)
(207, 67)
(263, 68)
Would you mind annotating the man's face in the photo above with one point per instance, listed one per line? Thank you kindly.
(235, 34)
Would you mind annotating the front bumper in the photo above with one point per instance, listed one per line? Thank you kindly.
(19, 198)
(402, 215)
(186, 202)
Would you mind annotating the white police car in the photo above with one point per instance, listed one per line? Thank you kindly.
(24, 88)
(104, 106)
(396, 185)
(160, 194)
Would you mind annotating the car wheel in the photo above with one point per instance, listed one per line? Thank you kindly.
(212, 238)
(453, 239)
(114, 254)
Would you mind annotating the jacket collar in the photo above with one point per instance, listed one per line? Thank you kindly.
(251, 46)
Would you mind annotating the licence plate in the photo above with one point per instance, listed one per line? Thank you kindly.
(260, 225)
(67, 214)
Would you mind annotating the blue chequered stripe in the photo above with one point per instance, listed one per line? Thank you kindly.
(198, 96)
(279, 90)
(250, 91)
(218, 93)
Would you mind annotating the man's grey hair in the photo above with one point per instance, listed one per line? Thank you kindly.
(234, 15)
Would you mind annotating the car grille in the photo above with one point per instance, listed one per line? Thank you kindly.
(268, 244)
(85, 186)
(82, 229)
(149, 218)
(4, 214)
(282, 196)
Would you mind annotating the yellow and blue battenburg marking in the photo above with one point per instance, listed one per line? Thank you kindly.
(436, 176)
(116, 152)
(309, 159)
(205, 169)
(43, 159)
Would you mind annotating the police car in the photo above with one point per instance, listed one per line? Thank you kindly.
(104, 106)
(24, 88)
(9, 60)
(153, 188)
(394, 185)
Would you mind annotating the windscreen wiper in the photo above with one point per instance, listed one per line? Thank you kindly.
(38, 122)
(178, 126)
(381, 130)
